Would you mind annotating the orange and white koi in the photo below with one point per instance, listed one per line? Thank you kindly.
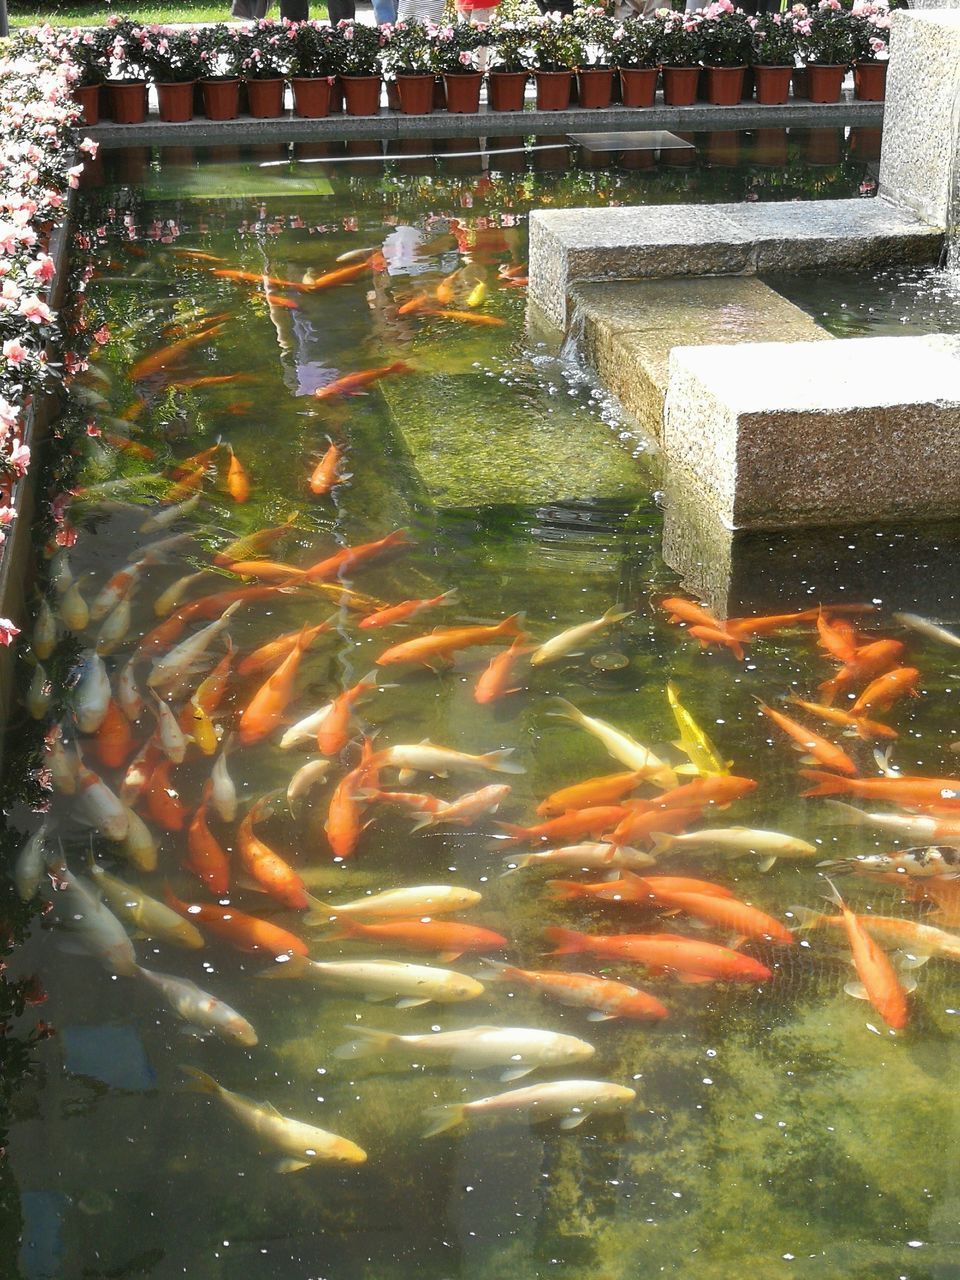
(271, 873)
(603, 997)
(692, 960)
(334, 733)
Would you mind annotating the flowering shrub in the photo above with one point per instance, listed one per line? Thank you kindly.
(317, 50)
(553, 43)
(870, 31)
(407, 49)
(455, 47)
(124, 49)
(171, 57)
(635, 43)
(679, 39)
(726, 35)
(361, 47)
(268, 50)
(87, 48)
(508, 41)
(826, 33)
(595, 29)
(775, 41)
(222, 52)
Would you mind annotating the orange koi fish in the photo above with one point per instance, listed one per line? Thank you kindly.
(353, 383)
(418, 301)
(578, 822)
(462, 811)
(238, 479)
(202, 459)
(114, 740)
(717, 789)
(604, 997)
(350, 557)
(256, 277)
(745, 628)
(716, 635)
(274, 875)
(198, 254)
(163, 802)
(212, 687)
(465, 317)
(213, 380)
(133, 447)
(271, 654)
(944, 892)
(159, 360)
(189, 484)
(268, 570)
(823, 751)
(254, 544)
(866, 729)
(265, 709)
(838, 638)
(393, 613)
(442, 643)
(640, 825)
(607, 789)
(878, 979)
(692, 960)
(512, 271)
(632, 888)
(444, 936)
(495, 680)
(869, 661)
(246, 933)
(679, 609)
(275, 300)
(334, 732)
(343, 826)
(343, 275)
(729, 913)
(882, 693)
(205, 858)
(326, 474)
(907, 791)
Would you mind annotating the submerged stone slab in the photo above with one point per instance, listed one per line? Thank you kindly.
(628, 329)
(921, 135)
(781, 434)
(512, 458)
(576, 245)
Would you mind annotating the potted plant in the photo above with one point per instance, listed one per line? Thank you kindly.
(360, 66)
(595, 71)
(554, 49)
(679, 44)
(127, 81)
(635, 52)
(87, 50)
(317, 59)
(870, 32)
(407, 59)
(826, 37)
(221, 57)
(774, 51)
(726, 35)
(268, 53)
(508, 74)
(456, 51)
(172, 61)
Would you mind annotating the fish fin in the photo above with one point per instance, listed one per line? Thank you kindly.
(687, 770)
(497, 761)
(568, 940)
(806, 917)
(411, 1002)
(370, 1043)
(573, 1121)
(373, 998)
(271, 1110)
(662, 842)
(908, 982)
(617, 614)
(294, 967)
(493, 964)
(424, 820)
(515, 1073)
(440, 1119)
(288, 1165)
(446, 956)
(565, 889)
(828, 784)
(199, 1081)
(597, 1015)
(567, 711)
(694, 979)
(806, 758)
(766, 863)
(856, 989)
(406, 775)
(514, 833)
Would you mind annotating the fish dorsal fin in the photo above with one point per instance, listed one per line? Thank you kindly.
(572, 1121)
(271, 1110)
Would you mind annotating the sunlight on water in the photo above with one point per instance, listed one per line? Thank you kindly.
(768, 1124)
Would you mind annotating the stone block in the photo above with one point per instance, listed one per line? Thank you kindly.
(921, 132)
(787, 434)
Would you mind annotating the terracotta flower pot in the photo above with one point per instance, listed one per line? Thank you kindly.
(870, 81)
(638, 86)
(638, 159)
(129, 101)
(311, 96)
(221, 99)
(88, 98)
(773, 85)
(361, 95)
(463, 92)
(723, 148)
(596, 86)
(770, 147)
(824, 81)
(680, 86)
(865, 143)
(553, 89)
(679, 157)
(505, 90)
(415, 94)
(175, 102)
(265, 98)
(724, 85)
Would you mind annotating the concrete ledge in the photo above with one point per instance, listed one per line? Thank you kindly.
(390, 124)
(575, 245)
(781, 434)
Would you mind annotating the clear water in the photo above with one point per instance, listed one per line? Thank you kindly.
(915, 301)
(778, 1128)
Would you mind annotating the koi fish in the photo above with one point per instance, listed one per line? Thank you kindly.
(568, 642)
(268, 570)
(462, 811)
(74, 611)
(166, 516)
(200, 1009)
(715, 790)
(605, 998)
(717, 635)
(878, 979)
(882, 693)
(172, 667)
(818, 749)
(95, 928)
(692, 960)
(735, 842)
(157, 361)
(680, 609)
(747, 628)
(271, 654)
(197, 254)
(334, 733)
(866, 729)
(579, 822)
(589, 856)
(837, 638)
(350, 557)
(212, 687)
(902, 790)
(694, 743)
(99, 806)
(352, 384)
(416, 900)
(196, 461)
(163, 801)
(869, 661)
(254, 544)
(393, 613)
(304, 780)
(205, 857)
(442, 643)
(213, 380)
(238, 478)
(326, 474)
(635, 889)
(416, 303)
(447, 938)
(263, 712)
(519, 1050)
(168, 600)
(39, 694)
(642, 825)
(729, 913)
(114, 739)
(191, 483)
(908, 826)
(345, 274)
(301, 1145)
(930, 630)
(411, 984)
(246, 933)
(223, 793)
(269, 871)
(920, 942)
(425, 757)
(594, 791)
(343, 827)
(117, 588)
(255, 277)
(572, 1101)
(464, 317)
(152, 918)
(44, 639)
(172, 740)
(495, 679)
(620, 745)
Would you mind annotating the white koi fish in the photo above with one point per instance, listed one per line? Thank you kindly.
(735, 842)
(570, 1100)
(223, 793)
(402, 904)
(305, 731)
(426, 757)
(173, 741)
(99, 806)
(519, 1050)
(167, 516)
(44, 632)
(570, 641)
(590, 856)
(92, 694)
(95, 928)
(410, 984)
(172, 667)
(621, 746)
(152, 918)
(304, 780)
(201, 1009)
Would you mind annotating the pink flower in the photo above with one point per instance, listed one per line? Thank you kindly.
(32, 309)
(20, 457)
(7, 516)
(42, 268)
(8, 632)
(102, 335)
(14, 351)
(90, 147)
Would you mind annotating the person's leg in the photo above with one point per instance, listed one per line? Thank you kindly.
(384, 11)
(340, 9)
(295, 10)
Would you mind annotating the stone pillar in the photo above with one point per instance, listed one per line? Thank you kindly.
(921, 123)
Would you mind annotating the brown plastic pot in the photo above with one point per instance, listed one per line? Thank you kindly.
(415, 94)
(361, 95)
(824, 81)
(463, 92)
(175, 102)
(265, 98)
(773, 85)
(595, 85)
(870, 81)
(638, 86)
(680, 86)
(88, 98)
(128, 100)
(505, 90)
(553, 89)
(311, 96)
(724, 85)
(221, 99)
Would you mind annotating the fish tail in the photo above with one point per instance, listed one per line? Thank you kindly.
(199, 1081)
(497, 761)
(424, 819)
(828, 691)
(514, 833)
(568, 941)
(370, 1043)
(567, 711)
(292, 967)
(806, 917)
(617, 614)
(828, 784)
(440, 1119)
(343, 930)
(847, 815)
(513, 626)
(401, 366)
(662, 842)
(834, 894)
(565, 890)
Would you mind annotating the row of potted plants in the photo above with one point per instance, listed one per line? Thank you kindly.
(205, 67)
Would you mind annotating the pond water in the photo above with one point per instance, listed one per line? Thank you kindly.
(905, 301)
(779, 1126)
